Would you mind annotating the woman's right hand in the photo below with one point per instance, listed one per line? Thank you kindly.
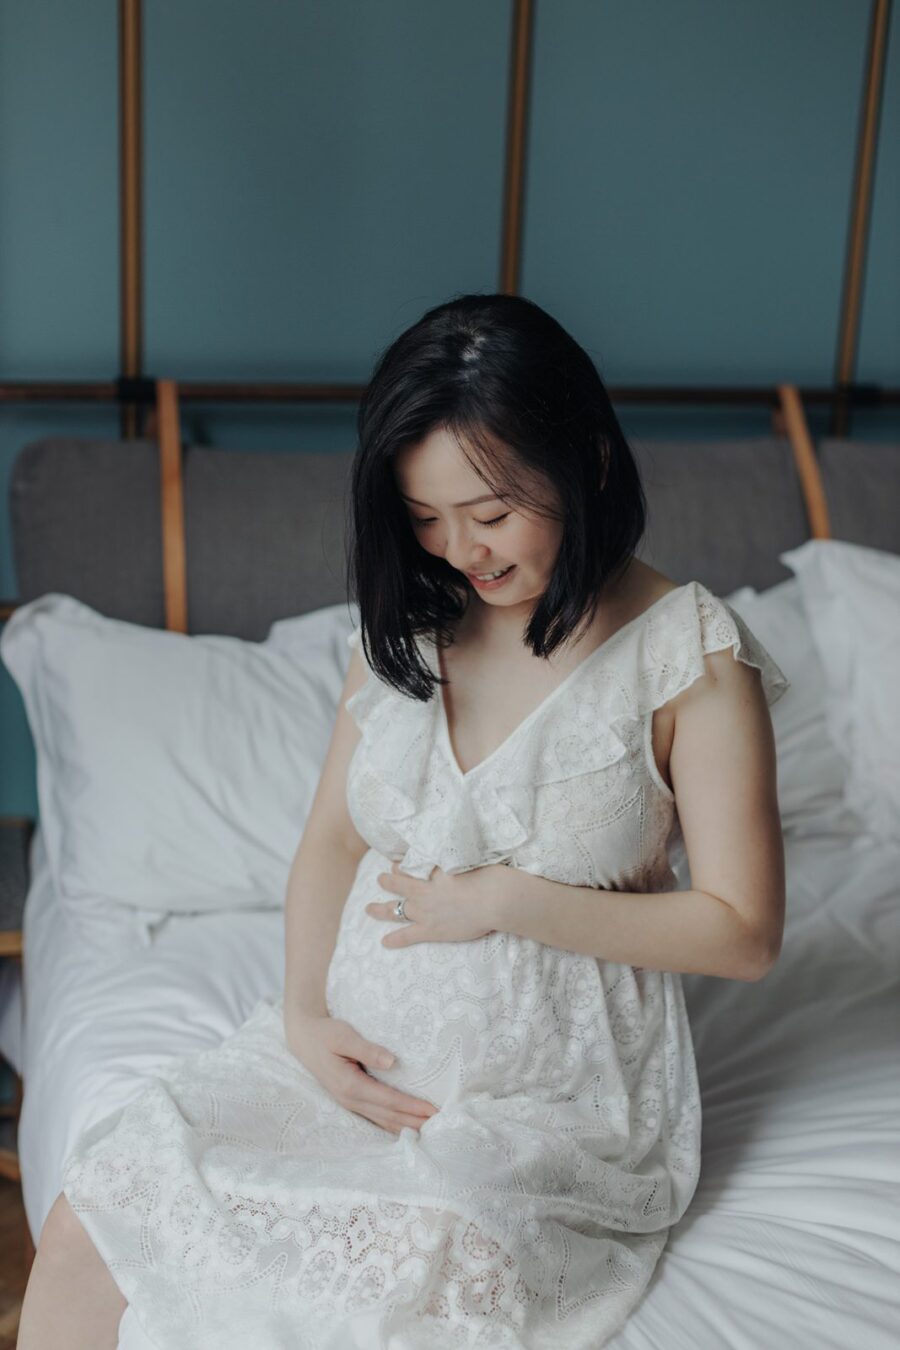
(337, 1055)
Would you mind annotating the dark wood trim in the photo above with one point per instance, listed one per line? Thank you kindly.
(192, 391)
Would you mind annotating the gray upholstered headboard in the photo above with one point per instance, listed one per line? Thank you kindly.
(265, 533)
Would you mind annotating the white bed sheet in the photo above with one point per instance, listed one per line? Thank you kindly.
(11, 1013)
(793, 1237)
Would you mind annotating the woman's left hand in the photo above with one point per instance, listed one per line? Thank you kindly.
(448, 907)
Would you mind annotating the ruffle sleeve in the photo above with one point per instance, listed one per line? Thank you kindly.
(640, 668)
(671, 656)
(588, 726)
(599, 726)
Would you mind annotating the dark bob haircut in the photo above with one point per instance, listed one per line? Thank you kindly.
(525, 403)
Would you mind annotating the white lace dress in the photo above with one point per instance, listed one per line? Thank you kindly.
(237, 1204)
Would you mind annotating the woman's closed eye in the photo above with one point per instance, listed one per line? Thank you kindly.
(431, 520)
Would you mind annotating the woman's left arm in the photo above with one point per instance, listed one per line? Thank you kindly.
(723, 772)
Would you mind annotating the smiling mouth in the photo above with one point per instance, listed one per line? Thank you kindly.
(490, 579)
(490, 576)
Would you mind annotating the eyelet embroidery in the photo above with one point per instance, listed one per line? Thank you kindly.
(233, 1197)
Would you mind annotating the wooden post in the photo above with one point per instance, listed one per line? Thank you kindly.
(172, 507)
(794, 420)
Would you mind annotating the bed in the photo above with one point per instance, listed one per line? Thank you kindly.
(793, 1237)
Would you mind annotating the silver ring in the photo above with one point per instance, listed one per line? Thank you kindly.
(400, 909)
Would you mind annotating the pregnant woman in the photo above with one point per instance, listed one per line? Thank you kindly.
(473, 1117)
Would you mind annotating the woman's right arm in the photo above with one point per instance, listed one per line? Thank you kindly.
(324, 865)
(321, 875)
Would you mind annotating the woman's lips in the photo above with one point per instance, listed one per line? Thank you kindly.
(491, 585)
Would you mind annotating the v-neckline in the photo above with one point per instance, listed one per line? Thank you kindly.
(444, 727)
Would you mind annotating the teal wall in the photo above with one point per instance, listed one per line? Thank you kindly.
(318, 174)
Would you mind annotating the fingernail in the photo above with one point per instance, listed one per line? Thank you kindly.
(386, 1061)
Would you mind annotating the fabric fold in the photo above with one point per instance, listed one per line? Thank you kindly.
(591, 724)
(236, 1199)
(397, 735)
(676, 641)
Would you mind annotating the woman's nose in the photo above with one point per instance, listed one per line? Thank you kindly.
(465, 555)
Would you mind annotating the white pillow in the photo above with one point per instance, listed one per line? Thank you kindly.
(851, 595)
(174, 773)
(812, 771)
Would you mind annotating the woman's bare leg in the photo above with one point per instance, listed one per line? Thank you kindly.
(71, 1300)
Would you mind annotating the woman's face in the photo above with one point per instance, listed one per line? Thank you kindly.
(455, 516)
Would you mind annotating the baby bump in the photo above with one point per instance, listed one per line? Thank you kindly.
(500, 1014)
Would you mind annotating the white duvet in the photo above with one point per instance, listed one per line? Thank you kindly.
(793, 1237)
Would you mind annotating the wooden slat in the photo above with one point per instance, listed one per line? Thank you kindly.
(860, 212)
(516, 145)
(9, 1323)
(795, 424)
(9, 1165)
(131, 317)
(172, 507)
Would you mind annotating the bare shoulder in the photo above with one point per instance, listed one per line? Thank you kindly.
(641, 587)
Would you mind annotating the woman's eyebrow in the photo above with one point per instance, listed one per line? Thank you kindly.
(490, 497)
